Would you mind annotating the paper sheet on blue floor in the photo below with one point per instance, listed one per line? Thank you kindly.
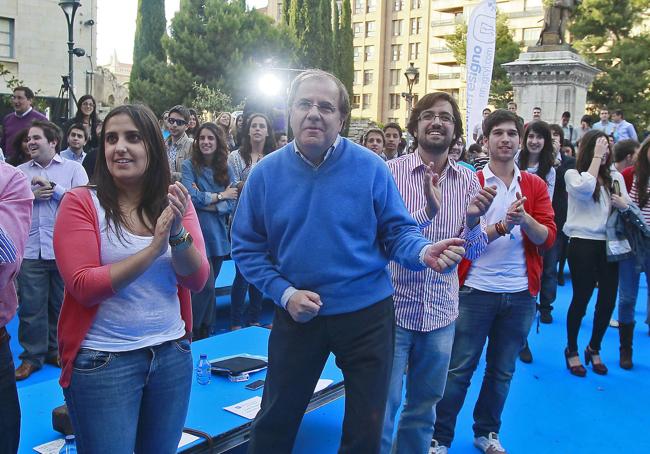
(250, 407)
(53, 447)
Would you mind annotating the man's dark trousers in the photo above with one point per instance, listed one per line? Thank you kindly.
(362, 342)
(9, 406)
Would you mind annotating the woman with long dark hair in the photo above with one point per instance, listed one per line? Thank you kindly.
(258, 141)
(224, 121)
(87, 116)
(208, 178)
(192, 124)
(630, 271)
(537, 154)
(129, 250)
(21, 155)
(592, 188)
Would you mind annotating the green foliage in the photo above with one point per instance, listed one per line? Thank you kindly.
(296, 18)
(285, 12)
(605, 33)
(336, 37)
(207, 99)
(344, 51)
(11, 81)
(506, 50)
(325, 30)
(214, 48)
(150, 27)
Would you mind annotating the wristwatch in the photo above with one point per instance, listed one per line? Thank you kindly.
(219, 196)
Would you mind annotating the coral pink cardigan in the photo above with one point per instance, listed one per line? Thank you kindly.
(87, 282)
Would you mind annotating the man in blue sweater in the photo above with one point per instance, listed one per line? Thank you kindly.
(316, 225)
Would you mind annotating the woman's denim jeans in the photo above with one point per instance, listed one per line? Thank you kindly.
(134, 401)
(628, 287)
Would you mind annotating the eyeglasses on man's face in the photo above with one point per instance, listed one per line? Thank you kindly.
(324, 108)
(445, 118)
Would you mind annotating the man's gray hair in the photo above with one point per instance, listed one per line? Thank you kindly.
(344, 97)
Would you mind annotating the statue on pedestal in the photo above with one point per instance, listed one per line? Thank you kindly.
(556, 17)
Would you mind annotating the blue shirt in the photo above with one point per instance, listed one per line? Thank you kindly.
(331, 229)
(69, 154)
(201, 186)
(624, 130)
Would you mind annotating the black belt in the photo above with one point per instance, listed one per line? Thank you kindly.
(4, 335)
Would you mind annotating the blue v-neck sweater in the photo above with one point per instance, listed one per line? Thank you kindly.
(330, 230)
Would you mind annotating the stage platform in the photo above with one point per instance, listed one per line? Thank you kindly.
(548, 410)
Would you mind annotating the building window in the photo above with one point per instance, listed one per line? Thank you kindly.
(394, 101)
(366, 101)
(6, 37)
(396, 52)
(369, 53)
(367, 77)
(356, 99)
(414, 51)
(398, 5)
(357, 27)
(397, 27)
(358, 6)
(416, 25)
(371, 6)
(416, 4)
(394, 76)
(370, 28)
(356, 77)
(356, 52)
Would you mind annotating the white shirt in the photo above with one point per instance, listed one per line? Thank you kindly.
(502, 266)
(587, 218)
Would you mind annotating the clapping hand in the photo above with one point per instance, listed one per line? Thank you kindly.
(444, 255)
(42, 188)
(432, 191)
(516, 214)
(178, 199)
(480, 205)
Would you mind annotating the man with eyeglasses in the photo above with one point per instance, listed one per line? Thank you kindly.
(21, 118)
(315, 228)
(426, 304)
(179, 145)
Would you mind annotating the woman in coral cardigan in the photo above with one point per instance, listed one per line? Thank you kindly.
(129, 251)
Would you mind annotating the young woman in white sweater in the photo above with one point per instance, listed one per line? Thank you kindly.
(591, 199)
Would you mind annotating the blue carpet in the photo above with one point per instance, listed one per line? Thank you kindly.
(548, 410)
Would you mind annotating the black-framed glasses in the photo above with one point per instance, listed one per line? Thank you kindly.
(324, 108)
(176, 121)
(444, 118)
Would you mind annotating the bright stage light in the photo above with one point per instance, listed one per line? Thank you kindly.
(269, 84)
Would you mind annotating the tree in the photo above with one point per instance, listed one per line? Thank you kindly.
(609, 35)
(506, 50)
(285, 12)
(216, 44)
(327, 51)
(345, 63)
(336, 37)
(210, 100)
(150, 27)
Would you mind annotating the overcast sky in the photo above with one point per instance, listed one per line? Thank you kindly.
(116, 26)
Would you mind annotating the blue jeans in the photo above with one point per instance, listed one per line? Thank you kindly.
(239, 313)
(41, 295)
(424, 358)
(133, 401)
(9, 406)
(628, 286)
(204, 309)
(504, 319)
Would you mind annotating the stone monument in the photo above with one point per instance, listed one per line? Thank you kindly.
(551, 75)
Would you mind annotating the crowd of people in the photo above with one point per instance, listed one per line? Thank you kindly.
(403, 254)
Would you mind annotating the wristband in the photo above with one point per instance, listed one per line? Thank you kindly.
(173, 238)
(501, 229)
(184, 243)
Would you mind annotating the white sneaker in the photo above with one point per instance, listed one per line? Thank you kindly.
(489, 445)
(437, 448)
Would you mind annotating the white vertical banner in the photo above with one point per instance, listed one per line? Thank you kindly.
(481, 39)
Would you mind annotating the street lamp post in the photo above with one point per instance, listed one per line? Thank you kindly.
(69, 8)
(412, 74)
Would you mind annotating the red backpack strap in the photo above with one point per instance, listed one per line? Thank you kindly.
(465, 264)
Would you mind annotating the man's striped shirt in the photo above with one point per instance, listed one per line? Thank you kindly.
(428, 300)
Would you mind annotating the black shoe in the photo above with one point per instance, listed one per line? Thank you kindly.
(560, 280)
(525, 355)
(545, 316)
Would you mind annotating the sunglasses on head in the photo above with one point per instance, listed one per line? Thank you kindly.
(176, 121)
